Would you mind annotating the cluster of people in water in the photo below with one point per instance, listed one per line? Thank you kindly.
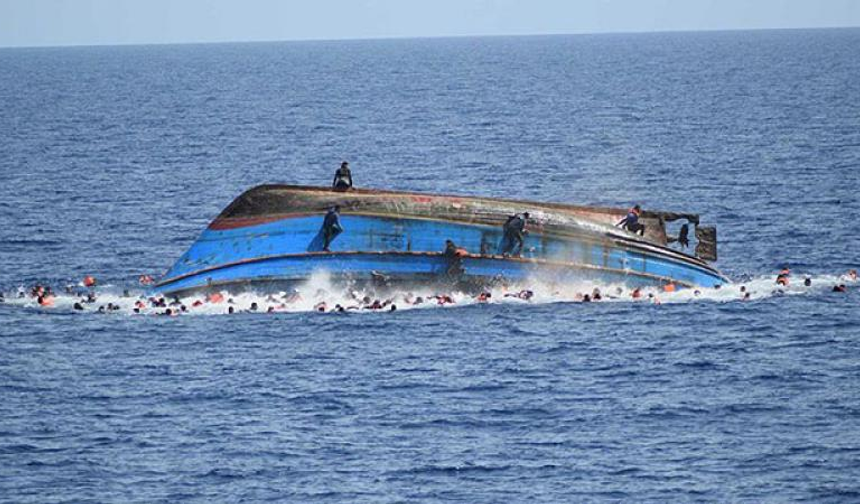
(88, 299)
(783, 279)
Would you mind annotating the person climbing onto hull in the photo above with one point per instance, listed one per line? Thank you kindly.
(514, 233)
(455, 256)
(631, 221)
(331, 227)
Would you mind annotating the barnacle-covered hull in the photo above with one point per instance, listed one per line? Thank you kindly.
(271, 235)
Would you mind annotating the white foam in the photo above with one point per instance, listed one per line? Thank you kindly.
(319, 289)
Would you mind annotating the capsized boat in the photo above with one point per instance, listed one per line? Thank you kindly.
(272, 236)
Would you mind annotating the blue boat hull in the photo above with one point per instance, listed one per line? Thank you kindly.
(421, 269)
(252, 252)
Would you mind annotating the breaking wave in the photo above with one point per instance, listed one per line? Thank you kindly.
(320, 294)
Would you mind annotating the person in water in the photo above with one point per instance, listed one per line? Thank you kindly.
(631, 221)
(783, 278)
(342, 178)
(331, 227)
(514, 232)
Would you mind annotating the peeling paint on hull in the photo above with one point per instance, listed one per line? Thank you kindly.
(272, 234)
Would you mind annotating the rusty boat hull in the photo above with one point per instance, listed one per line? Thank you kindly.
(271, 236)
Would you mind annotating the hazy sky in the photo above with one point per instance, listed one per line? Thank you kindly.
(73, 22)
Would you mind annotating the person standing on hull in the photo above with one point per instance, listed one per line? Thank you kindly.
(342, 178)
(514, 233)
(631, 221)
(331, 227)
(683, 238)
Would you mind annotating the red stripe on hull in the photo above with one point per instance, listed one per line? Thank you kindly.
(240, 222)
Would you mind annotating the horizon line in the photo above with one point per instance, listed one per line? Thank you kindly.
(423, 37)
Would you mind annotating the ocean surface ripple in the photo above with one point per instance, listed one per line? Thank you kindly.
(115, 158)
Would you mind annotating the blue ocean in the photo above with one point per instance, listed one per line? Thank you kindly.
(114, 159)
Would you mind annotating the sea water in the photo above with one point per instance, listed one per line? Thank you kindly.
(115, 158)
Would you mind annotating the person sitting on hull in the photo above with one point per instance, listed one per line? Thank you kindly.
(331, 227)
(342, 178)
(514, 232)
(631, 221)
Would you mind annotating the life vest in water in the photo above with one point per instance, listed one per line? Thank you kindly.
(89, 281)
